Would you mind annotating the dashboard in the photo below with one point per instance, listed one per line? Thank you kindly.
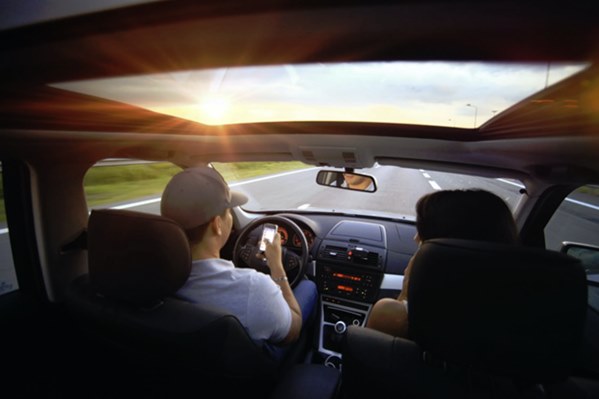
(392, 238)
(352, 257)
(354, 261)
(290, 239)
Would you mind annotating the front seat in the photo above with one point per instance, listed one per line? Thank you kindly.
(143, 336)
(486, 320)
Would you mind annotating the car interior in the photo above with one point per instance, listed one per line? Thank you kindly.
(102, 103)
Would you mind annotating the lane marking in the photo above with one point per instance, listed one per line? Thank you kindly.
(595, 207)
(3, 231)
(303, 206)
(139, 203)
(434, 184)
(154, 200)
(511, 182)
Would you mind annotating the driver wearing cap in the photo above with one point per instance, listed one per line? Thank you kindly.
(200, 201)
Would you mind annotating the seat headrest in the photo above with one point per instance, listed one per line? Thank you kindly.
(505, 309)
(136, 257)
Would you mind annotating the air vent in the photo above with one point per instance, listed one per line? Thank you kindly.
(366, 258)
(334, 252)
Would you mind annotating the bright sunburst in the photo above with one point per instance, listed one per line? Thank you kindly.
(215, 109)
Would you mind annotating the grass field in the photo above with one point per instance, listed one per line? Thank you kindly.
(111, 184)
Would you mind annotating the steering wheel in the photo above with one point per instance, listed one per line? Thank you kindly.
(244, 251)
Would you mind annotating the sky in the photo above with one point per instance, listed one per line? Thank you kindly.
(433, 93)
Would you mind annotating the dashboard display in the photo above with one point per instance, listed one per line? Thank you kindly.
(284, 235)
(309, 237)
(349, 277)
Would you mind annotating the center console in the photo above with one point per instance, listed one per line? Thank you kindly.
(349, 270)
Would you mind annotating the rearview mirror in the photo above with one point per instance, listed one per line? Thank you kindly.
(587, 254)
(346, 180)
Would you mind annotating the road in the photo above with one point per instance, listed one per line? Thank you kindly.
(398, 191)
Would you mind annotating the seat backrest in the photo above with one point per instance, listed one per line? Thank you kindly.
(135, 257)
(485, 320)
(136, 262)
(505, 309)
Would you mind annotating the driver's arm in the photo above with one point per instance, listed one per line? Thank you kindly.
(273, 255)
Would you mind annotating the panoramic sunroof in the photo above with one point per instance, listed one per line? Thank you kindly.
(452, 94)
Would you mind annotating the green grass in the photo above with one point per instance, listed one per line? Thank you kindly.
(109, 184)
(244, 170)
(593, 190)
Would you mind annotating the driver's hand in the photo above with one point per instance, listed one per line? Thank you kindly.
(273, 253)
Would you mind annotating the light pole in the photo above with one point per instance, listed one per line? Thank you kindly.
(475, 112)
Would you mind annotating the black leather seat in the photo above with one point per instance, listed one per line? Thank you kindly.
(485, 320)
(143, 334)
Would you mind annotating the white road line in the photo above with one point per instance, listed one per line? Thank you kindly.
(134, 204)
(511, 182)
(434, 184)
(303, 206)
(595, 207)
(3, 231)
(154, 200)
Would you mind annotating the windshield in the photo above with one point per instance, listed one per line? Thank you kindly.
(291, 186)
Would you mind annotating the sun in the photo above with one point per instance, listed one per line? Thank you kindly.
(215, 109)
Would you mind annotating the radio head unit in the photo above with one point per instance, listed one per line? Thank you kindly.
(352, 254)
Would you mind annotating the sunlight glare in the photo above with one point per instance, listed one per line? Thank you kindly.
(215, 109)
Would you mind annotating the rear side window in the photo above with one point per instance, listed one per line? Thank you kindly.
(8, 276)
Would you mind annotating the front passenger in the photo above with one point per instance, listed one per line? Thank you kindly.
(467, 214)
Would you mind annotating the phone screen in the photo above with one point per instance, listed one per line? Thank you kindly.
(268, 234)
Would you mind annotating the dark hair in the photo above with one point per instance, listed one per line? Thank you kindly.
(196, 234)
(473, 214)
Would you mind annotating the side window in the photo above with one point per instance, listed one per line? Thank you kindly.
(8, 277)
(127, 184)
(577, 220)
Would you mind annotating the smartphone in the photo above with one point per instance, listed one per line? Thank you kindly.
(268, 234)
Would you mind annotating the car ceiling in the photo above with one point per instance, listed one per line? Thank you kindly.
(178, 35)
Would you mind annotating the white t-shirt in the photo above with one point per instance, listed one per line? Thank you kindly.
(251, 296)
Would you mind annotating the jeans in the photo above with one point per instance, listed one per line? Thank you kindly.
(306, 295)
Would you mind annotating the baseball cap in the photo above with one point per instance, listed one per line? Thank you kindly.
(195, 195)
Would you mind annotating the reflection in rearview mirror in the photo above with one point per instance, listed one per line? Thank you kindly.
(346, 180)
